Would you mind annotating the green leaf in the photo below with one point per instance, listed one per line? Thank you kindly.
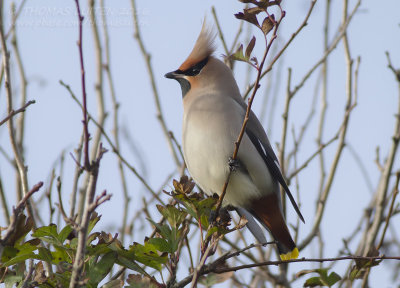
(10, 280)
(47, 234)
(174, 216)
(163, 229)
(8, 253)
(313, 282)
(130, 264)
(60, 255)
(214, 278)
(98, 249)
(238, 55)
(161, 245)
(63, 279)
(206, 205)
(332, 279)
(21, 258)
(93, 221)
(45, 254)
(147, 254)
(64, 233)
(323, 280)
(100, 270)
(211, 231)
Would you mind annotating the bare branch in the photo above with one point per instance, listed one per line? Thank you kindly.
(16, 212)
(147, 59)
(216, 268)
(15, 112)
(17, 153)
(83, 84)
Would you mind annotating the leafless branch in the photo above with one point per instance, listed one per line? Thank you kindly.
(84, 224)
(113, 147)
(342, 136)
(17, 153)
(15, 112)
(83, 84)
(217, 268)
(147, 59)
(16, 212)
(269, 68)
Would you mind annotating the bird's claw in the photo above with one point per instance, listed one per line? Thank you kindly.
(233, 164)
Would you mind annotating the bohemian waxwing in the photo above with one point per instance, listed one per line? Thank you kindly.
(213, 116)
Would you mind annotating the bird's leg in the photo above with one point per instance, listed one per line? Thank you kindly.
(223, 217)
(233, 164)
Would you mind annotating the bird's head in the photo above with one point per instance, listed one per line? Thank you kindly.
(194, 69)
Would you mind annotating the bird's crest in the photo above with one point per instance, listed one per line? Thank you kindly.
(203, 48)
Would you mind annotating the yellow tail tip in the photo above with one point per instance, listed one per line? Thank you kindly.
(290, 255)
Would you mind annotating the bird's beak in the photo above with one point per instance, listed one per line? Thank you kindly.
(172, 75)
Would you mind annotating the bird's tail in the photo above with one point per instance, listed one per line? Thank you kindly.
(267, 211)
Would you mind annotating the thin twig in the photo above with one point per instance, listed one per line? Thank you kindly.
(101, 114)
(321, 204)
(113, 147)
(84, 224)
(22, 169)
(16, 212)
(220, 34)
(212, 268)
(15, 112)
(269, 68)
(390, 213)
(83, 85)
(14, 19)
(116, 133)
(385, 176)
(147, 59)
(6, 213)
(285, 116)
(324, 97)
(318, 152)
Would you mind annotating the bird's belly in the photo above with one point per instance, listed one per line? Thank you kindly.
(207, 153)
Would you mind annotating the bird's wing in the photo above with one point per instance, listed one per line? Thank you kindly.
(256, 133)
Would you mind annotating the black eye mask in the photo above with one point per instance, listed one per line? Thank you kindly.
(195, 69)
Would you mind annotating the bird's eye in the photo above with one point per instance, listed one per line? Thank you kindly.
(196, 69)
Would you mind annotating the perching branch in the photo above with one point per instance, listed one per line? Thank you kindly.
(217, 268)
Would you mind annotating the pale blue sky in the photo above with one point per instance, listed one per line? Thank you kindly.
(47, 34)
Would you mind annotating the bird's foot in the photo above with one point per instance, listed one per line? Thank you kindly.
(233, 164)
